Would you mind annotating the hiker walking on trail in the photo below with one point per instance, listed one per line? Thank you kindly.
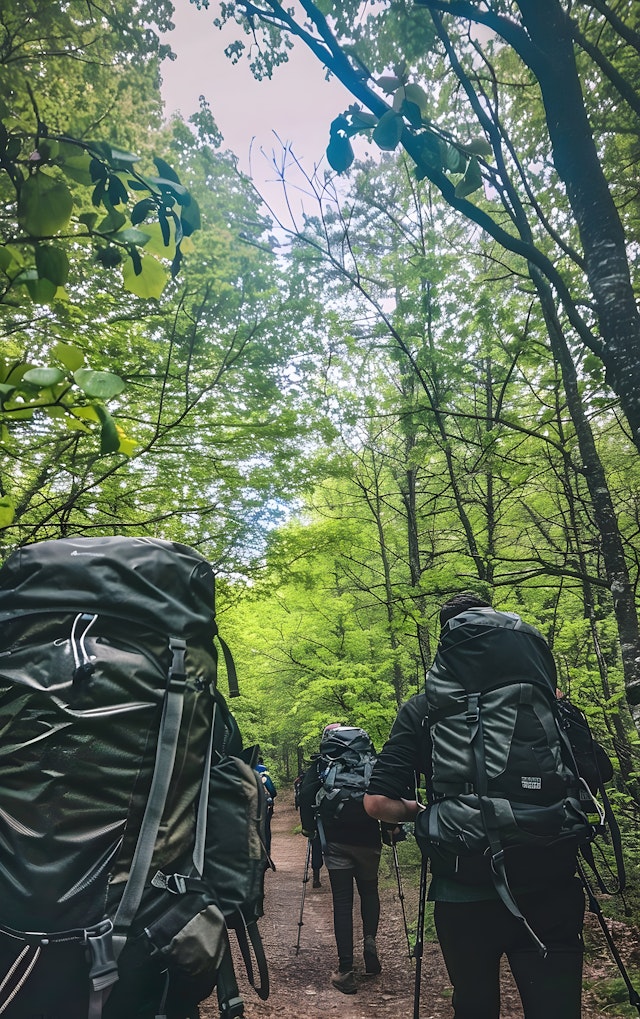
(523, 901)
(271, 793)
(313, 836)
(351, 842)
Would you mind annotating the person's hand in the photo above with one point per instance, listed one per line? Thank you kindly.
(391, 835)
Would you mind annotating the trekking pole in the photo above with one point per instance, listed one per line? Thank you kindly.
(419, 945)
(394, 849)
(594, 907)
(305, 878)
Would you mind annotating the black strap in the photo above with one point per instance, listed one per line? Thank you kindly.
(489, 819)
(232, 676)
(250, 944)
(230, 1001)
(321, 833)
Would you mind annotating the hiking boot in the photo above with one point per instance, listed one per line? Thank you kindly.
(345, 982)
(371, 961)
(316, 879)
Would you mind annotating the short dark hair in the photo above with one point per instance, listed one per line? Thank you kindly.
(460, 603)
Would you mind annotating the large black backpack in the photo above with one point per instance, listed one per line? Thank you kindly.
(115, 744)
(502, 776)
(345, 762)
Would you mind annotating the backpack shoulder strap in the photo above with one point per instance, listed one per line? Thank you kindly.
(162, 772)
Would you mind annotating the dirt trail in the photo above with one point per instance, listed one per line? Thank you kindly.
(300, 984)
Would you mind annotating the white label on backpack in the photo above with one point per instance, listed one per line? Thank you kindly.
(531, 782)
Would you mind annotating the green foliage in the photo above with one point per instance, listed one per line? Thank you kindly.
(51, 176)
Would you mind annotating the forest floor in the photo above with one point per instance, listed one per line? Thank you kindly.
(300, 983)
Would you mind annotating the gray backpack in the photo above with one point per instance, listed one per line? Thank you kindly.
(344, 763)
(501, 776)
(131, 824)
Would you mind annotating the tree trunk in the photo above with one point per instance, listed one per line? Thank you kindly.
(578, 164)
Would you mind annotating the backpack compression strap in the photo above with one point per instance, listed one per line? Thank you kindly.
(498, 871)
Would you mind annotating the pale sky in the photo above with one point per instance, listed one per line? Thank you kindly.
(297, 103)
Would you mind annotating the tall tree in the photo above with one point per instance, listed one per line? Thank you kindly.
(544, 36)
(491, 71)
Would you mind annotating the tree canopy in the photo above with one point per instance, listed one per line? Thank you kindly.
(421, 388)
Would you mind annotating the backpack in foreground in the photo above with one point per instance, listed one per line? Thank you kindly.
(502, 777)
(345, 763)
(114, 741)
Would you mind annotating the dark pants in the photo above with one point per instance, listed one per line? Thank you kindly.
(316, 853)
(475, 935)
(347, 864)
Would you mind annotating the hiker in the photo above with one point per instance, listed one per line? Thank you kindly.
(272, 792)
(351, 846)
(475, 927)
(313, 836)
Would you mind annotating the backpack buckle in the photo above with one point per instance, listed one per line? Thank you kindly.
(472, 714)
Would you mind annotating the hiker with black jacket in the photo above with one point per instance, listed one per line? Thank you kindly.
(475, 926)
(351, 849)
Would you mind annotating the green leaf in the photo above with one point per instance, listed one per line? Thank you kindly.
(456, 161)
(75, 162)
(178, 191)
(417, 95)
(102, 148)
(89, 219)
(52, 264)
(362, 120)
(478, 147)
(7, 511)
(340, 126)
(190, 218)
(388, 84)
(132, 236)
(412, 113)
(339, 153)
(41, 291)
(7, 259)
(471, 181)
(428, 155)
(42, 377)
(70, 356)
(149, 282)
(388, 131)
(141, 210)
(109, 438)
(113, 221)
(44, 205)
(109, 257)
(155, 244)
(165, 170)
(123, 160)
(99, 385)
(86, 411)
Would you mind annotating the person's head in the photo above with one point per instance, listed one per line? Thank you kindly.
(461, 603)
